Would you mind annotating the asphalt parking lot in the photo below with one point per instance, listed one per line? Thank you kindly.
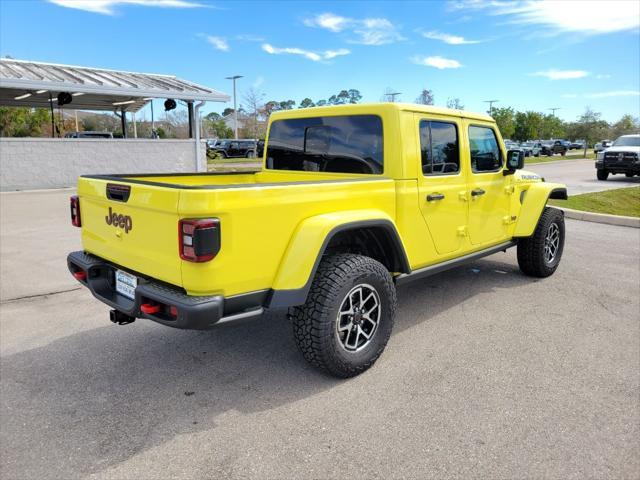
(580, 176)
(488, 374)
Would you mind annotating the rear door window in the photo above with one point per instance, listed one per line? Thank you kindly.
(343, 144)
(439, 148)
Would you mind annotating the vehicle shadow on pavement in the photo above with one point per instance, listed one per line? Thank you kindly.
(91, 400)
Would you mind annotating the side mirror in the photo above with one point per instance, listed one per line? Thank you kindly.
(515, 161)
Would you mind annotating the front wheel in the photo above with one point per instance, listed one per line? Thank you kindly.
(347, 319)
(251, 154)
(539, 255)
(602, 174)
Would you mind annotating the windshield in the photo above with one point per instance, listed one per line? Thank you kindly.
(527, 144)
(631, 141)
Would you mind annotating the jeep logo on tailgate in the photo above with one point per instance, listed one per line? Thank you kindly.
(119, 220)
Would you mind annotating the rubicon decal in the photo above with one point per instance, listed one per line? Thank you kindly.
(119, 220)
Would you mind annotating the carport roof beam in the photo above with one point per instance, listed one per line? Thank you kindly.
(101, 88)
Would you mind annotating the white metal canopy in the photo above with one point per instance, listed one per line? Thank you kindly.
(32, 84)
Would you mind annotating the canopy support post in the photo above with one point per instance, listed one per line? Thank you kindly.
(190, 115)
(123, 121)
(200, 166)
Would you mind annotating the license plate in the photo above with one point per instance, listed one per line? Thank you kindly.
(126, 284)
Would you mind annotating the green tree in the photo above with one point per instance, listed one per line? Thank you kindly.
(321, 103)
(626, 125)
(22, 121)
(505, 118)
(527, 126)
(217, 128)
(307, 103)
(213, 116)
(227, 111)
(426, 97)
(454, 103)
(552, 127)
(271, 106)
(287, 104)
(590, 127)
(354, 95)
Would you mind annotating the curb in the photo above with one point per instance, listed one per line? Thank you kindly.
(557, 161)
(618, 220)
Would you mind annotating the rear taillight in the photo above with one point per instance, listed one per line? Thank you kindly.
(199, 239)
(75, 211)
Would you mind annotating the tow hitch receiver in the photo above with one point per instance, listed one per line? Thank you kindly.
(120, 318)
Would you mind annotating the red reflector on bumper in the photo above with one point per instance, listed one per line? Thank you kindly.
(149, 308)
(80, 275)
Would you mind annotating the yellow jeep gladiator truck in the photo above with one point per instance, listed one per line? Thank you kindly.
(351, 202)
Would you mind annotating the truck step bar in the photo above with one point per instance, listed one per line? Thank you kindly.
(456, 262)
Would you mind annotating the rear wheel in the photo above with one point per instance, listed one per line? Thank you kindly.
(603, 174)
(539, 255)
(251, 154)
(629, 174)
(347, 319)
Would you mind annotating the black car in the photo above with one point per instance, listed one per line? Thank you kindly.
(554, 146)
(235, 148)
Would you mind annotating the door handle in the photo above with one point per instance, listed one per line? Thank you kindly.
(477, 192)
(433, 197)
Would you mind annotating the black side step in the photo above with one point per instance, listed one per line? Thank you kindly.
(456, 262)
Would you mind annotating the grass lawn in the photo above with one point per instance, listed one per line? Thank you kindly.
(621, 201)
(555, 158)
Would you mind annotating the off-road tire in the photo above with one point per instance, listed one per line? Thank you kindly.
(602, 174)
(314, 323)
(629, 174)
(531, 250)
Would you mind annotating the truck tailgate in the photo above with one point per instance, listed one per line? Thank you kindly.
(133, 225)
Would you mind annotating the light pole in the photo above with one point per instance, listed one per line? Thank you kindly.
(491, 102)
(235, 105)
(553, 110)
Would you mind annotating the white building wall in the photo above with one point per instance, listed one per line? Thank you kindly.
(38, 163)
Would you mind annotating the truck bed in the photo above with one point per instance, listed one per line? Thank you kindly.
(258, 214)
(222, 180)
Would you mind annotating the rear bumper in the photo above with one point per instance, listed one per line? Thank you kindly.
(193, 312)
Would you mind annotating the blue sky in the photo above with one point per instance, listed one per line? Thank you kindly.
(528, 55)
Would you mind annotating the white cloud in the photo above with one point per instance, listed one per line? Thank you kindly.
(561, 74)
(603, 76)
(366, 31)
(569, 95)
(218, 43)
(308, 54)
(107, 7)
(259, 81)
(336, 53)
(448, 38)
(436, 62)
(586, 18)
(614, 93)
(248, 37)
(330, 21)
